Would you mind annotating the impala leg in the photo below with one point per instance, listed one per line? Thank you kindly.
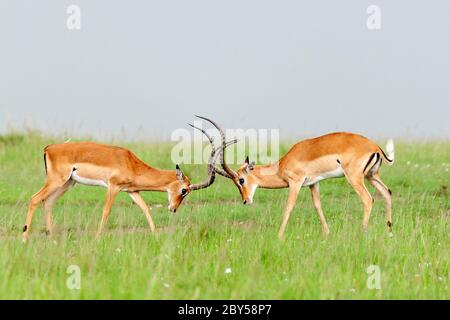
(294, 188)
(357, 183)
(42, 195)
(386, 194)
(50, 201)
(137, 198)
(110, 196)
(315, 193)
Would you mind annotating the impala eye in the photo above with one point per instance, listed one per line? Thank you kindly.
(183, 191)
(241, 181)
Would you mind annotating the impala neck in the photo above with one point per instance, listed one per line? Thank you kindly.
(268, 176)
(153, 179)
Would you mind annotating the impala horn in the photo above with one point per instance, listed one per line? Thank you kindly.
(227, 171)
(211, 161)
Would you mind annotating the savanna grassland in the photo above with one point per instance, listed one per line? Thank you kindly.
(212, 232)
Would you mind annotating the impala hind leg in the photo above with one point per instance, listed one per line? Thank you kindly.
(294, 189)
(110, 196)
(357, 182)
(385, 192)
(50, 187)
(50, 201)
(137, 198)
(315, 193)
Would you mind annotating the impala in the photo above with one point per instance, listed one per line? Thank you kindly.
(115, 168)
(310, 161)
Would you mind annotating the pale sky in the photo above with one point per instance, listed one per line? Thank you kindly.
(143, 68)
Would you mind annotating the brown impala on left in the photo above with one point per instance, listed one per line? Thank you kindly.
(114, 168)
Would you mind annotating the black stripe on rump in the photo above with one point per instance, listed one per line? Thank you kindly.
(45, 162)
(370, 160)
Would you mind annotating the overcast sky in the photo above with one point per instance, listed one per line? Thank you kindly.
(143, 68)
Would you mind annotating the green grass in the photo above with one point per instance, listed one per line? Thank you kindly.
(213, 231)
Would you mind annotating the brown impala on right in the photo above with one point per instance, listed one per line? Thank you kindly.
(311, 161)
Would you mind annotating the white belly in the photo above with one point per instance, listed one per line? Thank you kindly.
(87, 181)
(338, 173)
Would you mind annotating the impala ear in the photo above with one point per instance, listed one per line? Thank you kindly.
(249, 165)
(180, 175)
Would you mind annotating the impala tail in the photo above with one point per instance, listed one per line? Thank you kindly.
(389, 156)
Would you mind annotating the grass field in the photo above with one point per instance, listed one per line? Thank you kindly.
(213, 232)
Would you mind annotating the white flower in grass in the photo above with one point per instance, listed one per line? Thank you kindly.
(416, 165)
(408, 163)
(229, 240)
(118, 250)
(352, 290)
(158, 205)
(228, 270)
(166, 285)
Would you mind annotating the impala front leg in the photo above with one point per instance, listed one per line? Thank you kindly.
(294, 188)
(137, 198)
(110, 196)
(315, 193)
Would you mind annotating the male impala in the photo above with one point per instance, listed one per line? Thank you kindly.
(114, 168)
(311, 161)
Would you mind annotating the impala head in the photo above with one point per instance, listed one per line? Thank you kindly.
(244, 179)
(178, 190)
(181, 186)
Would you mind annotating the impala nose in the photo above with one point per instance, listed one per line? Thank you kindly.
(245, 201)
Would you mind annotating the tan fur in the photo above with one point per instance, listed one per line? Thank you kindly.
(118, 168)
(311, 159)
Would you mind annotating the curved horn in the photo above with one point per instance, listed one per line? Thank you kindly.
(228, 172)
(211, 162)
